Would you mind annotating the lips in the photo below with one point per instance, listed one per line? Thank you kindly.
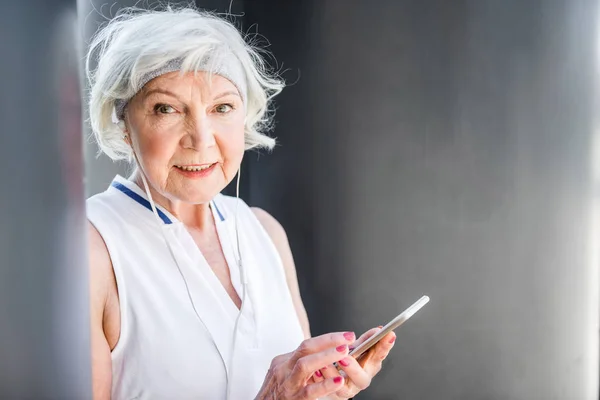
(194, 168)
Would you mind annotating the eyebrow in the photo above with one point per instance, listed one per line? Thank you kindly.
(228, 93)
(169, 93)
(158, 90)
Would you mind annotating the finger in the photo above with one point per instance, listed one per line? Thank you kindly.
(307, 365)
(323, 388)
(373, 361)
(318, 376)
(323, 342)
(355, 374)
(383, 348)
(330, 371)
(365, 336)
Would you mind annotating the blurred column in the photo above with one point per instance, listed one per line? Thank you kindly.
(44, 317)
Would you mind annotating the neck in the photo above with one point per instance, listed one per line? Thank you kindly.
(197, 216)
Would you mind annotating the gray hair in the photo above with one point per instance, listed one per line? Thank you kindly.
(137, 43)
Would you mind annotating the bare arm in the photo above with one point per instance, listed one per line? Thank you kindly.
(100, 281)
(279, 238)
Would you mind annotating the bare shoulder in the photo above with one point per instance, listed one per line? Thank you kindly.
(97, 246)
(271, 225)
(99, 260)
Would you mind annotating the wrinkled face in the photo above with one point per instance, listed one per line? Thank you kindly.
(188, 134)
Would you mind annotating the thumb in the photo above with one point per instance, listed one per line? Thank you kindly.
(365, 336)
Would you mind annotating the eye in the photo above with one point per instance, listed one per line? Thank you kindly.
(224, 108)
(163, 109)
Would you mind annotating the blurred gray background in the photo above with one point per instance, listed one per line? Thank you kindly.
(44, 320)
(447, 148)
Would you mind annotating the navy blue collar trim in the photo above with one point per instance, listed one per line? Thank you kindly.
(146, 203)
(140, 200)
(218, 211)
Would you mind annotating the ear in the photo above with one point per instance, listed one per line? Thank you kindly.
(123, 127)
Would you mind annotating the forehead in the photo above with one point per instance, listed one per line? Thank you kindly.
(200, 80)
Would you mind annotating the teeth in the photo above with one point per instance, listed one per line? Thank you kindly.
(194, 169)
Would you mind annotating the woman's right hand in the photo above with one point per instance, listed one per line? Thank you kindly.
(290, 375)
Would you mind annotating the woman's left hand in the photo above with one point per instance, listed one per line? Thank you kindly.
(359, 373)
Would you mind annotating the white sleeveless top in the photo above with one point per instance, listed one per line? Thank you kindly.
(164, 350)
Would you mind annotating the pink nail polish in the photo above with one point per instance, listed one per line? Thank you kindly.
(318, 373)
(392, 340)
(337, 380)
(349, 335)
(345, 362)
(341, 348)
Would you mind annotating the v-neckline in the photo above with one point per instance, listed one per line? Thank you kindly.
(212, 304)
(229, 256)
(225, 242)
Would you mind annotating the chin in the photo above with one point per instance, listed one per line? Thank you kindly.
(198, 196)
(197, 192)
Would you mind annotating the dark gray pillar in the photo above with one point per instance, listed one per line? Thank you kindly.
(44, 311)
(444, 148)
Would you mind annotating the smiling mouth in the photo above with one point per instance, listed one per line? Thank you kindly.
(194, 168)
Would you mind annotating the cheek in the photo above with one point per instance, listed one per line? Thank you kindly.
(232, 146)
(154, 152)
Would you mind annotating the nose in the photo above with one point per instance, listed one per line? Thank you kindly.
(199, 133)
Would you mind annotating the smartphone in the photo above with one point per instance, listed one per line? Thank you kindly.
(393, 324)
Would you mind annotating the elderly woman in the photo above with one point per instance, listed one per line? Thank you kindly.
(194, 294)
